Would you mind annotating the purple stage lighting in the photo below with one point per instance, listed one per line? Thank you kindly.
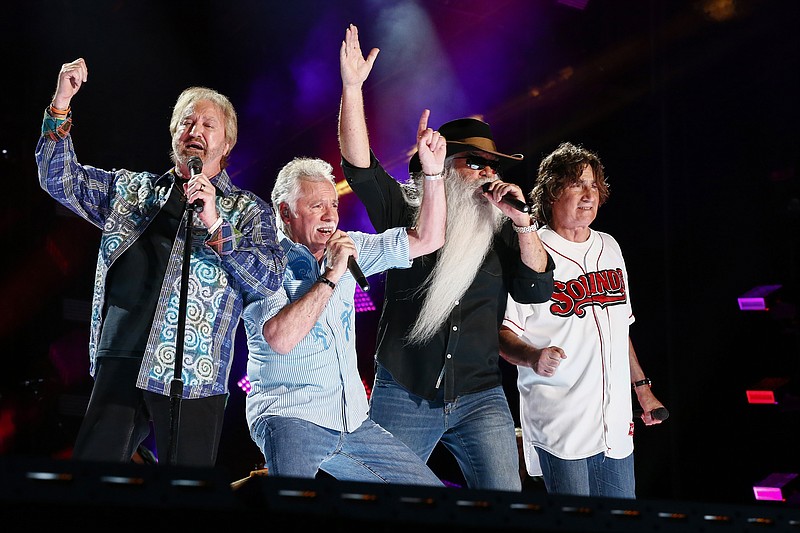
(774, 487)
(244, 384)
(363, 301)
(575, 4)
(756, 298)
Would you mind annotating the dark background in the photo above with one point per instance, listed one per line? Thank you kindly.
(692, 106)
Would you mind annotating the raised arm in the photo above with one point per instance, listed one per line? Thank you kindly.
(428, 234)
(531, 248)
(532, 251)
(83, 189)
(353, 136)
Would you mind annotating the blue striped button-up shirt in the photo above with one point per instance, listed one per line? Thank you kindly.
(318, 379)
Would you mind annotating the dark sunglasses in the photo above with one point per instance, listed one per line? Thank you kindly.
(478, 163)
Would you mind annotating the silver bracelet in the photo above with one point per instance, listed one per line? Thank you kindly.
(526, 229)
(434, 177)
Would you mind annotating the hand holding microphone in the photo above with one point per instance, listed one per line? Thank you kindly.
(509, 199)
(659, 413)
(339, 247)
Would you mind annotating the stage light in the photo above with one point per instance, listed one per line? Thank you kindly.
(774, 487)
(363, 301)
(244, 384)
(767, 391)
(756, 298)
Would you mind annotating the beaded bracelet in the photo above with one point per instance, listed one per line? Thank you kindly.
(526, 229)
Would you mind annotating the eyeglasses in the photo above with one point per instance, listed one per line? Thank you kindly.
(479, 163)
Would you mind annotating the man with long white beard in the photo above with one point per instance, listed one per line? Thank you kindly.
(437, 375)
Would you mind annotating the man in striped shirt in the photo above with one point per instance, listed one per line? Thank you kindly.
(307, 409)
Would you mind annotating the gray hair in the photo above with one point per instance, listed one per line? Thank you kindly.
(287, 184)
(190, 97)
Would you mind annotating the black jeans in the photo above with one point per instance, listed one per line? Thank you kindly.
(118, 419)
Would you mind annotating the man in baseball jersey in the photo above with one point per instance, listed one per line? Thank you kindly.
(575, 359)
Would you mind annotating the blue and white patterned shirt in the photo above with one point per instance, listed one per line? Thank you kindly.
(318, 379)
(122, 204)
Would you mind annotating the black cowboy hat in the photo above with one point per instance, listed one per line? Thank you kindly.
(464, 135)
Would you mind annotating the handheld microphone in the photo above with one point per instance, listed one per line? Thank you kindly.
(659, 413)
(355, 270)
(510, 200)
(195, 165)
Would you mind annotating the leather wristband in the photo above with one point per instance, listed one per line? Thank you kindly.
(326, 281)
(642, 382)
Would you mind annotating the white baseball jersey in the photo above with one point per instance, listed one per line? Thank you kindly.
(585, 408)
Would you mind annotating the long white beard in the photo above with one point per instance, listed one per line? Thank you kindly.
(472, 223)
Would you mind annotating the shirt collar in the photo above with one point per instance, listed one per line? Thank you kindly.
(289, 246)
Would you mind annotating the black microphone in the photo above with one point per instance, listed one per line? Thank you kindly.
(355, 270)
(510, 200)
(659, 413)
(195, 165)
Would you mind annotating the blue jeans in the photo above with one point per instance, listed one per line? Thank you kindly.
(293, 447)
(594, 476)
(476, 428)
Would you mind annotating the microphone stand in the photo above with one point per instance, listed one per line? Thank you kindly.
(176, 385)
